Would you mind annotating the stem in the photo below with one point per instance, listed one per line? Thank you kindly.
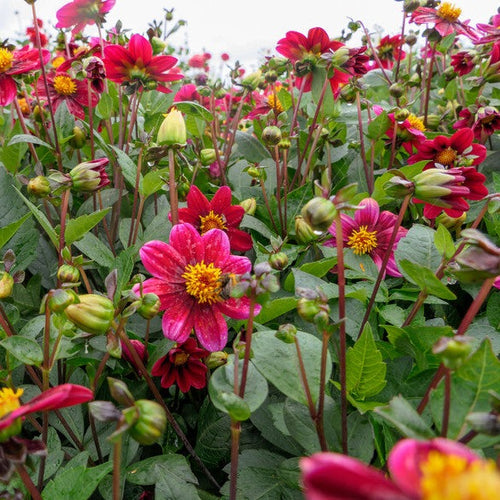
(172, 188)
(117, 457)
(64, 212)
(428, 86)
(321, 398)
(235, 443)
(368, 175)
(305, 383)
(136, 194)
(446, 403)
(26, 479)
(248, 345)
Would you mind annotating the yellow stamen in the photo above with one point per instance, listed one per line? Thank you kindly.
(446, 157)
(6, 58)
(447, 477)
(24, 106)
(9, 400)
(57, 61)
(64, 85)
(416, 122)
(180, 358)
(362, 241)
(275, 104)
(212, 221)
(449, 12)
(203, 282)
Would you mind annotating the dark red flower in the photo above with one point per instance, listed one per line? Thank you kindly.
(483, 121)
(79, 13)
(136, 66)
(389, 51)
(463, 62)
(216, 214)
(182, 366)
(31, 34)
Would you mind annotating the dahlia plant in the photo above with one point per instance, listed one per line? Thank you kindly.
(276, 283)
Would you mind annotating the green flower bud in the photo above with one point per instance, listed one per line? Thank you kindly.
(252, 80)
(284, 143)
(308, 309)
(172, 131)
(271, 76)
(6, 285)
(348, 93)
(216, 359)
(340, 56)
(304, 233)
(92, 314)
(453, 350)
(79, 138)
(89, 176)
(208, 156)
(484, 423)
(39, 186)
(68, 274)
(151, 422)
(319, 213)
(271, 135)
(158, 45)
(120, 392)
(396, 90)
(411, 39)
(59, 299)
(401, 114)
(254, 172)
(278, 260)
(286, 333)
(249, 205)
(433, 122)
(398, 187)
(150, 306)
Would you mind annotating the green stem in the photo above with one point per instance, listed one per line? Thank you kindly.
(117, 458)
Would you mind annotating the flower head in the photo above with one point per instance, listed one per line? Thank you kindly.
(79, 13)
(483, 121)
(217, 213)
(188, 276)
(182, 366)
(389, 50)
(369, 232)
(137, 67)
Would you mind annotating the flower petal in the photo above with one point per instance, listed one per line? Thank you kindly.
(178, 318)
(211, 329)
(163, 261)
(368, 215)
(187, 241)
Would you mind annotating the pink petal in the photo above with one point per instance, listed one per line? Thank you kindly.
(179, 318)
(211, 329)
(237, 265)
(163, 261)
(238, 308)
(367, 216)
(239, 240)
(140, 49)
(8, 90)
(216, 243)
(187, 241)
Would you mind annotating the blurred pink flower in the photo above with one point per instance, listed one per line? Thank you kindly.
(79, 13)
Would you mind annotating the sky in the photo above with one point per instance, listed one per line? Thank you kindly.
(247, 31)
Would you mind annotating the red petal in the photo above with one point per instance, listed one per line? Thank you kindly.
(140, 49)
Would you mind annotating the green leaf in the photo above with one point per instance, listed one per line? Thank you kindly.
(274, 308)
(26, 350)
(96, 250)
(77, 228)
(378, 126)
(154, 181)
(425, 279)
(250, 148)
(444, 242)
(365, 369)
(298, 278)
(7, 232)
(236, 407)
(320, 267)
(128, 167)
(278, 362)
(418, 247)
(28, 138)
(194, 109)
(401, 414)
(104, 108)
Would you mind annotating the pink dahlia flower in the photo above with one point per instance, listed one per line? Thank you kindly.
(369, 232)
(189, 276)
(79, 13)
(216, 214)
(420, 470)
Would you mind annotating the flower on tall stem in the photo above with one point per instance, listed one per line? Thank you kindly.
(189, 277)
(135, 66)
(389, 51)
(217, 213)
(425, 470)
(369, 232)
(17, 62)
(79, 13)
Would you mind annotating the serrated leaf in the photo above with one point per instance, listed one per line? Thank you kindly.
(378, 126)
(444, 242)
(26, 350)
(77, 228)
(418, 247)
(128, 167)
(28, 138)
(194, 109)
(365, 368)
(7, 232)
(93, 248)
(154, 181)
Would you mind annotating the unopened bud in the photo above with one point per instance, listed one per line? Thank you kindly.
(68, 274)
(208, 156)
(150, 306)
(453, 350)
(120, 392)
(172, 131)
(433, 122)
(141, 351)
(216, 359)
(304, 233)
(484, 423)
(151, 422)
(286, 333)
(59, 299)
(340, 56)
(79, 138)
(401, 114)
(249, 205)
(92, 314)
(319, 213)
(271, 135)
(89, 176)
(158, 45)
(252, 80)
(39, 186)
(6, 285)
(278, 260)
(396, 90)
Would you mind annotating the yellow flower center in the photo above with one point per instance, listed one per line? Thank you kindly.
(180, 358)
(446, 157)
(416, 122)
(64, 85)
(212, 221)
(24, 105)
(57, 61)
(362, 241)
(447, 477)
(275, 104)
(6, 58)
(9, 400)
(203, 282)
(449, 12)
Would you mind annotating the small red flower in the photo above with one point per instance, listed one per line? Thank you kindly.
(463, 62)
(136, 66)
(79, 13)
(218, 213)
(199, 61)
(389, 51)
(182, 366)
(483, 121)
(141, 351)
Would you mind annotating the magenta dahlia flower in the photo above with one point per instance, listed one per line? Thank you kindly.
(369, 232)
(483, 121)
(420, 470)
(136, 65)
(217, 213)
(182, 366)
(14, 63)
(189, 277)
(79, 13)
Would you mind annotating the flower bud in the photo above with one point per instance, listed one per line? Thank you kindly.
(484, 423)
(150, 306)
(278, 260)
(398, 187)
(90, 176)
(92, 314)
(208, 156)
(434, 184)
(158, 45)
(141, 350)
(78, 140)
(410, 6)
(249, 205)
(59, 299)
(252, 80)
(286, 333)
(308, 308)
(271, 135)
(340, 56)
(453, 350)
(39, 186)
(451, 222)
(151, 422)
(304, 233)
(348, 93)
(172, 131)
(285, 143)
(68, 274)
(433, 122)
(396, 90)
(120, 392)
(401, 114)
(255, 172)
(6, 285)
(319, 213)
(216, 359)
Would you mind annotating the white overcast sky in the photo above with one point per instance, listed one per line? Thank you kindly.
(245, 30)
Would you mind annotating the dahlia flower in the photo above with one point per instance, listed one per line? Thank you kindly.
(136, 66)
(491, 31)
(217, 213)
(420, 470)
(483, 121)
(189, 277)
(389, 50)
(14, 63)
(79, 13)
(182, 366)
(369, 232)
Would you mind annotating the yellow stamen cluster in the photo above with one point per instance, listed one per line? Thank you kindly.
(447, 477)
(416, 122)
(9, 400)
(446, 157)
(449, 12)
(6, 58)
(64, 85)
(203, 282)
(212, 221)
(275, 104)
(362, 241)
(180, 358)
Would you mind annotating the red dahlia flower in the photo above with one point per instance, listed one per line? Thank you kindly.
(189, 278)
(369, 232)
(389, 51)
(483, 121)
(79, 13)
(420, 470)
(450, 152)
(63, 88)
(14, 63)
(463, 62)
(218, 213)
(491, 31)
(182, 366)
(136, 66)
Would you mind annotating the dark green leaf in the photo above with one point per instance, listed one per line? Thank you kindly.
(77, 228)
(26, 350)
